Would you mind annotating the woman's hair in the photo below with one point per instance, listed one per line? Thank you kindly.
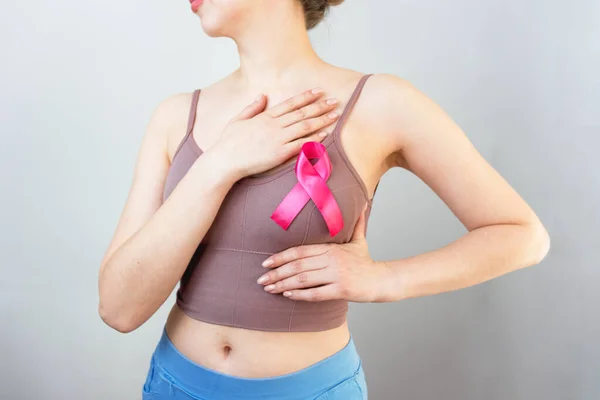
(315, 10)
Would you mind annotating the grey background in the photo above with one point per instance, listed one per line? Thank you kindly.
(80, 80)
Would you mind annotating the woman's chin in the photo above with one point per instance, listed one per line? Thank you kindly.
(212, 30)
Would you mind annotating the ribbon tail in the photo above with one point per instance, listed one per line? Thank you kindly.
(290, 206)
(329, 208)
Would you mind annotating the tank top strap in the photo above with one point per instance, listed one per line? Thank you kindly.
(350, 104)
(193, 107)
(191, 120)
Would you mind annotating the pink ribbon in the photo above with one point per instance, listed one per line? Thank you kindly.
(311, 185)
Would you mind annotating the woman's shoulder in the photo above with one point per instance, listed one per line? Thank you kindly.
(169, 119)
(381, 98)
(176, 105)
(381, 88)
(378, 90)
(390, 104)
(396, 113)
(171, 113)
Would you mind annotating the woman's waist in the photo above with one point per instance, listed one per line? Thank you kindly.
(251, 353)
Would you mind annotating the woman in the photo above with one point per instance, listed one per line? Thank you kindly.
(225, 181)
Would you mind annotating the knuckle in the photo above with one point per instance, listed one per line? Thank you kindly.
(282, 285)
(300, 113)
(295, 267)
(313, 107)
(263, 118)
(325, 120)
(290, 103)
(274, 124)
(302, 277)
(305, 126)
(343, 289)
(314, 294)
(267, 119)
(298, 252)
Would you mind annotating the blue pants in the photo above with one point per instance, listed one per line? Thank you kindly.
(174, 376)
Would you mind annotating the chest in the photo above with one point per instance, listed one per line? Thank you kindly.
(244, 218)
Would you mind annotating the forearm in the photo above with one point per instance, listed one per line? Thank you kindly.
(478, 256)
(141, 274)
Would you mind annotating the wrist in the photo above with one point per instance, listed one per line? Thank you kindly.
(221, 166)
(386, 288)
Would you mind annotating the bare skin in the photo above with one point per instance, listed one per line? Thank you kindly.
(242, 352)
(392, 125)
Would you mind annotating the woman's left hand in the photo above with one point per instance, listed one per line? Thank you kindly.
(327, 271)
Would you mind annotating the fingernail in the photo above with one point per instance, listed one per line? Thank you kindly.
(267, 262)
(259, 97)
(332, 115)
(269, 287)
(287, 294)
(323, 134)
(262, 279)
(331, 101)
(317, 91)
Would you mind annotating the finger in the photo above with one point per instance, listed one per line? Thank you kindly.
(295, 102)
(294, 253)
(295, 146)
(252, 109)
(314, 109)
(302, 280)
(321, 293)
(292, 268)
(359, 228)
(308, 126)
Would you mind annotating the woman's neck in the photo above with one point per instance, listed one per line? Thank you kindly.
(272, 57)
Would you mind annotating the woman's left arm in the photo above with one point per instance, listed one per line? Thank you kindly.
(504, 233)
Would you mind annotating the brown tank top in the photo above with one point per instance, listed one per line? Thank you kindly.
(219, 285)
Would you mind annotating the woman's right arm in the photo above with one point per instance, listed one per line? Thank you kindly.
(154, 241)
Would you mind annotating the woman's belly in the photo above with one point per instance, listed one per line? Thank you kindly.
(251, 353)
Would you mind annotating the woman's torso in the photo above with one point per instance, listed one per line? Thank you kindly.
(251, 352)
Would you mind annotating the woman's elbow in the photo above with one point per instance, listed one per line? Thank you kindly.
(119, 320)
(538, 244)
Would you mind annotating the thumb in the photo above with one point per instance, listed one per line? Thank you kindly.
(359, 229)
(252, 109)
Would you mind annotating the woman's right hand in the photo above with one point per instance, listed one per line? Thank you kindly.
(257, 140)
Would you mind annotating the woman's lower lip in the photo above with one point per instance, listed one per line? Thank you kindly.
(196, 4)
